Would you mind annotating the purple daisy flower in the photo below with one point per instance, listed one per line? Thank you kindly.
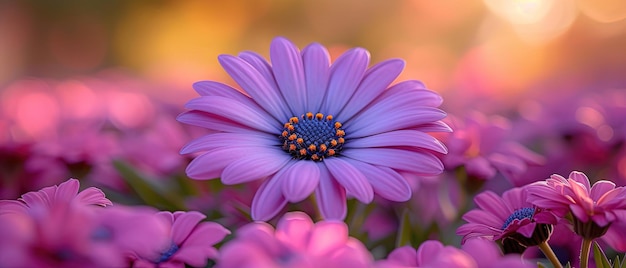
(304, 125)
(509, 216)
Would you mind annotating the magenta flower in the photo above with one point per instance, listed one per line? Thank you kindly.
(483, 146)
(296, 242)
(191, 243)
(509, 216)
(304, 125)
(64, 193)
(594, 208)
(476, 253)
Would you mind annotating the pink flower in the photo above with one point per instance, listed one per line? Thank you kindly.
(296, 242)
(64, 193)
(507, 216)
(484, 147)
(191, 242)
(476, 253)
(600, 204)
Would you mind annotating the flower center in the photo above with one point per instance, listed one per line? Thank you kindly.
(520, 214)
(312, 136)
(168, 254)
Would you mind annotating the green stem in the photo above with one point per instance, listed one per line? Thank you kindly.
(585, 247)
(547, 250)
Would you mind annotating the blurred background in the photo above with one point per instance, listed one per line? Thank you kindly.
(493, 49)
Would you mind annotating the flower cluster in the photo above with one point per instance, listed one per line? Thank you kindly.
(307, 162)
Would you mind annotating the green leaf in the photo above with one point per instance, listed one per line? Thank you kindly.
(150, 192)
(623, 261)
(404, 232)
(616, 262)
(568, 265)
(599, 257)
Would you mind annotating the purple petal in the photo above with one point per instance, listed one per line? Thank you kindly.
(212, 88)
(206, 234)
(581, 178)
(400, 138)
(211, 122)
(256, 85)
(375, 81)
(406, 255)
(235, 111)
(417, 162)
(331, 197)
(428, 250)
(254, 166)
(385, 181)
(261, 65)
(219, 158)
(289, 74)
(483, 217)
(238, 139)
(300, 180)
(388, 116)
(345, 76)
(351, 178)
(268, 200)
(316, 63)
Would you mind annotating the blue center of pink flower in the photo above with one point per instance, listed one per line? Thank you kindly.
(168, 254)
(312, 136)
(520, 214)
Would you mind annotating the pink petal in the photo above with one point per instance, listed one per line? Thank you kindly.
(326, 237)
(184, 223)
(330, 196)
(67, 190)
(268, 200)
(294, 229)
(240, 139)
(219, 159)
(93, 196)
(580, 178)
(405, 255)
(351, 178)
(300, 180)
(428, 251)
(600, 188)
(491, 202)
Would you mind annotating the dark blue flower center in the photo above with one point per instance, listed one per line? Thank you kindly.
(520, 214)
(168, 254)
(312, 137)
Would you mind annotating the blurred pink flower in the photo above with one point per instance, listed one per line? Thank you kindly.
(476, 253)
(507, 216)
(64, 193)
(296, 242)
(192, 241)
(483, 146)
(337, 129)
(594, 208)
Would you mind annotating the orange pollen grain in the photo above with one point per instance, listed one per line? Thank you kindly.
(300, 141)
(315, 157)
(333, 143)
(340, 133)
(329, 117)
(309, 115)
(293, 137)
(285, 133)
(293, 120)
(342, 140)
(302, 152)
(292, 147)
(286, 125)
(331, 152)
(337, 125)
(319, 116)
(291, 128)
(312, 148)
(323, 147)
